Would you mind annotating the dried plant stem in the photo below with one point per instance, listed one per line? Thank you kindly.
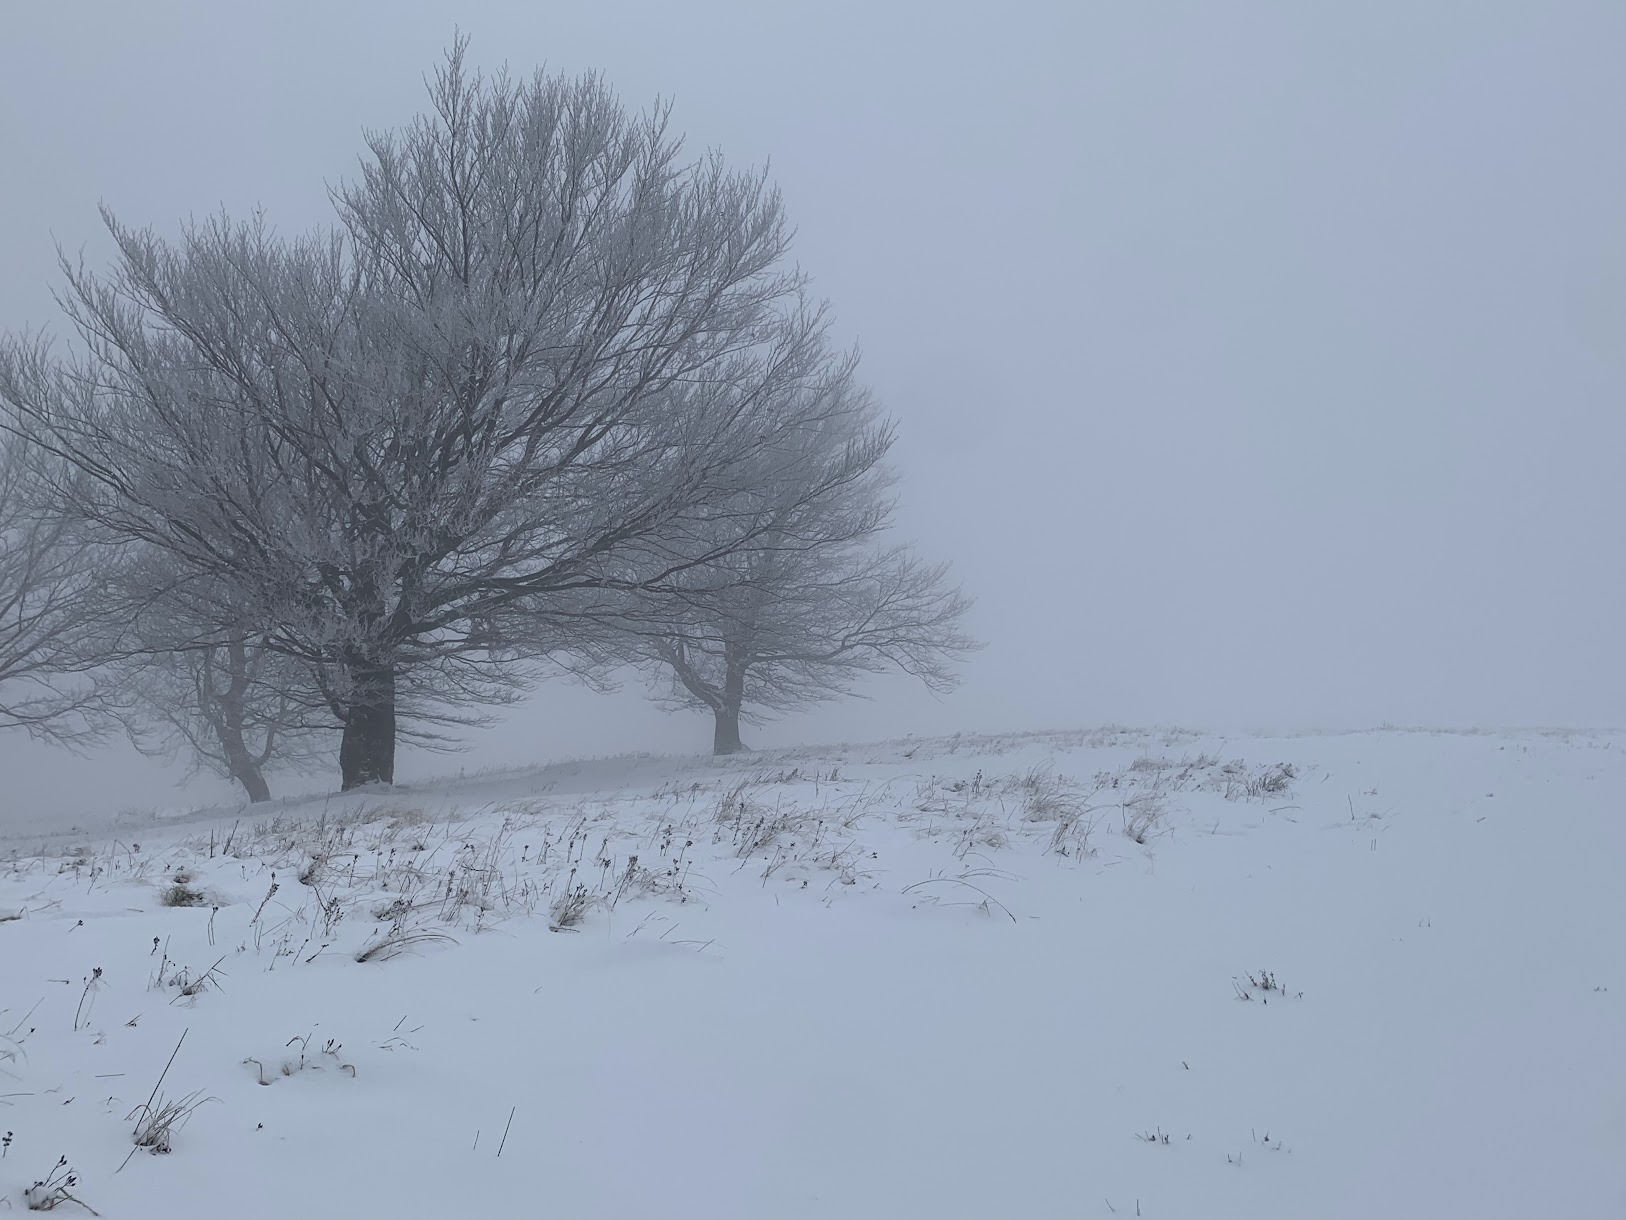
(154, 1094)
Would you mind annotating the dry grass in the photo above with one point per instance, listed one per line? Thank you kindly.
(968, 880)
(396, 942)
(157, 1119)
(567, 911)
(1141, 815)
(54, 1189)
(180, 894)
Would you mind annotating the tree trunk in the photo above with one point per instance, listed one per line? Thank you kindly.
(227, 715)
(726, 739)
(245, 772)
(367, 749)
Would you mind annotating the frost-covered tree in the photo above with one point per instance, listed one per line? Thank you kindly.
(537, 352)
(814, 599)
(55, 630)
(791, 636)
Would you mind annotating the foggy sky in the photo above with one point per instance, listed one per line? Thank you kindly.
(1258, 365)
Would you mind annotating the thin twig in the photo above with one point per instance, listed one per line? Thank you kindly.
(506, 1125)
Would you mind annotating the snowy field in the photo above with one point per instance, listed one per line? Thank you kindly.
(1068, 974)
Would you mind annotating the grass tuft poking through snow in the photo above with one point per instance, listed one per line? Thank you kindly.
(396, 942)
(179, 894)
(157, 1121)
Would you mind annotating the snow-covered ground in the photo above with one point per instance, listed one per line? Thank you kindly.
(1068, 974)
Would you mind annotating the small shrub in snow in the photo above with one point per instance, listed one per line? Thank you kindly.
(393, 911)
(1264, 982)
(571, 907)
(308, 1060)
(179, 894)
(172, 975)
(55, 1189)
(312, 872)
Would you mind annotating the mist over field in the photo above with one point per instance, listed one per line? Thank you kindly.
(896, 491)
(1254, 367)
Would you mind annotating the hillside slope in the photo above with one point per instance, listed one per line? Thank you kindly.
(1065, 974)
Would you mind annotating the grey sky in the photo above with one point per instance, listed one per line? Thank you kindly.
(1258, 364)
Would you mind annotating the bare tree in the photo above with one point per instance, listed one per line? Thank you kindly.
(236, 707)
(535, 356)
(200, 680)
(790, 638)
(811, 601)
(54, 628)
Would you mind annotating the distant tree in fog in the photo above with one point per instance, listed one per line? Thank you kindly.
(815, 599)
(204, 683)
(55, 631)
(231, 708)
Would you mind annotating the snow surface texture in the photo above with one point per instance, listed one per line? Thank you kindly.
(1068, 974)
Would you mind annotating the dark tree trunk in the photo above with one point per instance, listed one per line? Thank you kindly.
(726, 739)
(367, 749)
(228, 715)
(247, 773)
